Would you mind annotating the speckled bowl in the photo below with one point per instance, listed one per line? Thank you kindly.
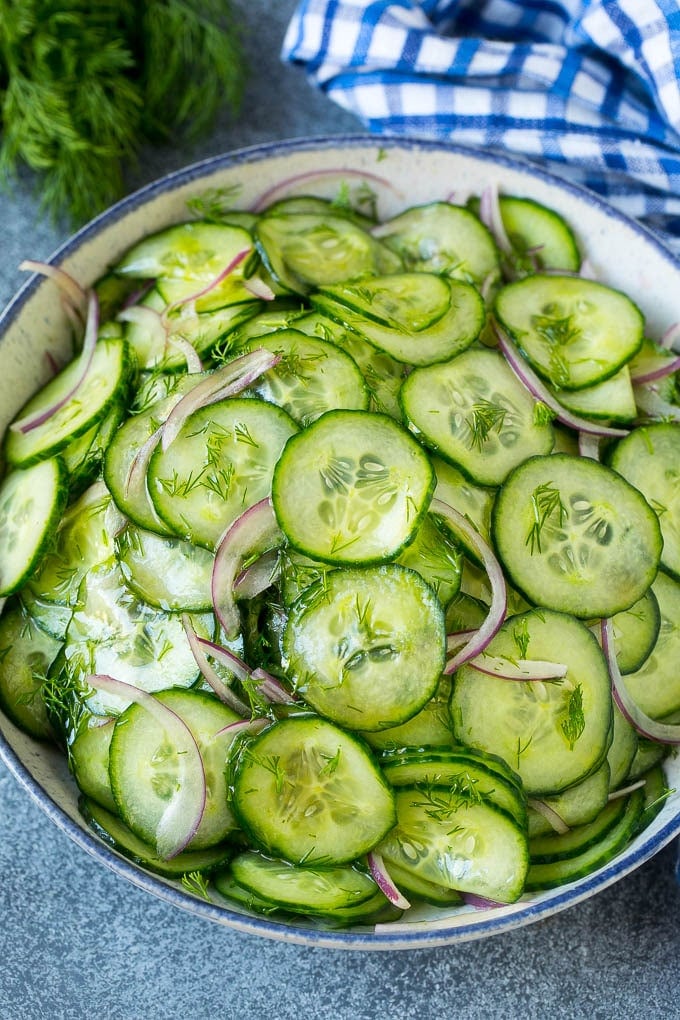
(401, 173)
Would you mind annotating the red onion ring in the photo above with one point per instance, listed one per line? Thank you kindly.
(267, 197)
(481, 637)
(384, 881)
(663, 733)
(221, 689)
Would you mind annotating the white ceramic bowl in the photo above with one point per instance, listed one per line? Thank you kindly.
(401, 173)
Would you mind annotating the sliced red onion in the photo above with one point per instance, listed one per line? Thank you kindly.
(551, 816)
(539, 391)
(194, 363)
(147, 319)
(272, 689)
(258, 288)
(668, 367)
(75, 295)
(221, 689)
(587, 270)
(518, 669)
(481, 637)
(232, 378)
(647, 399)
(244, 726)
(180, 820)
(139, 465)
(258, 576)
(663, 733)
(589, 445)
(456, 639)
(480, 902)
(33, 421)
(256, 531)
(490, 215)
(227, 658)
(625, 790)
(284, 186)
(384, 881)
(671, 337)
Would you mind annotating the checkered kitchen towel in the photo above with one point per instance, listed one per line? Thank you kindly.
(589, 87)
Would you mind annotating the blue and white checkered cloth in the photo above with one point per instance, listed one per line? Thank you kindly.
(590, 88)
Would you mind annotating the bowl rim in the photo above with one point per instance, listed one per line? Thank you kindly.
(422, 935)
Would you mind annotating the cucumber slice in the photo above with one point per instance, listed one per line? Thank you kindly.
(429, 892)
(555, 873)
(655, 686)
(574, 535)
(164, 571)
(430, 727)
(32, 501)
(112, 632)
(220, 464)
(303, 890)
(552, 734)
(450, 836)
(26, 653)
(560, 846)
(103, 383)
(195, 251)
(577, 805)
(352, 488)
(649, 458)
(143, 765)
(474, 412)
(445, 239)
(575, 332)
(611, 401)
(622, 751)
(413, 322)
(474, 501)
(312, 377)
(540, 237)
(85, 538)
(636, 631)
(366, 646)
(458, 770)
(434, 553)
(303, 251)
(383, 375)
(116, 834)
(307, 791)
(89, 760)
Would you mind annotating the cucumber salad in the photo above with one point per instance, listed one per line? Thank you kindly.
(342, 559)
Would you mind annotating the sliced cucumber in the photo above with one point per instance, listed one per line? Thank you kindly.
(574, 535)
(116, 834)
(430, 727)
(445, 239)
(32, 501)
(303, 889)
(473, 412)
(220, 464)
(164, 571)
(26, 653)
(365, 647)
(89, 759)
(611, 401)
(144, 772)
(576, 805)
(352, 488)
(107, 374)
(552, 734)
(416, 318)
(561, 846)
(303, 251)
(435, 554)
(649, 458)
(459, 841)
(575, 332)
(555, 873)
(307, 791)
(540, 237)
(636, 631)
(312, 376)
(655, 686)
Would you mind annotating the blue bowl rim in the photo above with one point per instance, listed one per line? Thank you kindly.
(400, 938)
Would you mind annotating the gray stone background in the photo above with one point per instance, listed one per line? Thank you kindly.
(77, 942)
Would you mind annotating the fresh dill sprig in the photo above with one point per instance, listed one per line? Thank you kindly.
(573, 726)
(546, 502)
(485, 417)
(84, 85)
(195, 882)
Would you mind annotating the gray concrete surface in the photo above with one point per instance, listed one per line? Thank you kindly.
(78, 942)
